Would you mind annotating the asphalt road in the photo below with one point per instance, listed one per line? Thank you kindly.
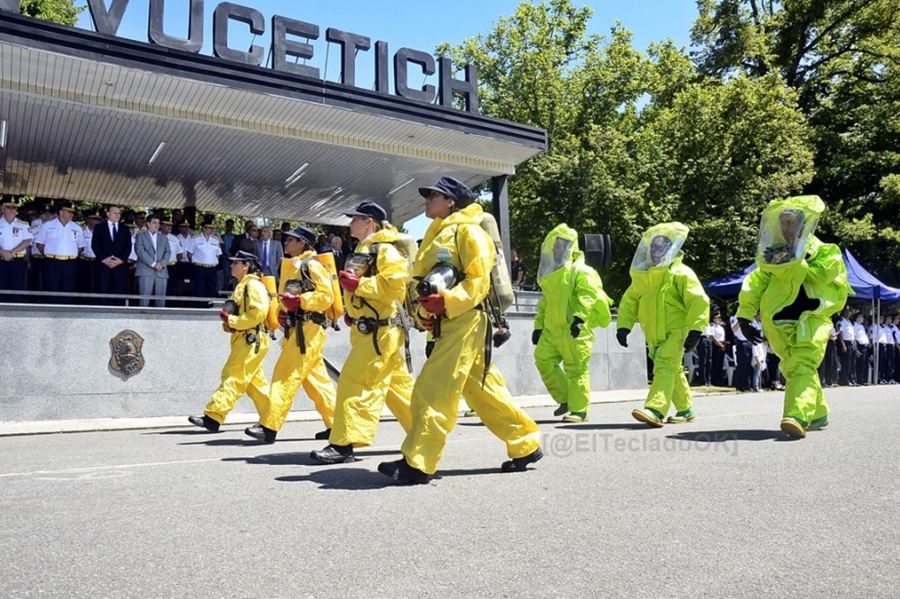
(722, 507)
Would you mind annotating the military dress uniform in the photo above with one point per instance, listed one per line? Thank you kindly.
(14, 271)
(62, 244)
(205, 252)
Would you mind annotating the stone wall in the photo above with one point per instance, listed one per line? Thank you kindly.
(55, 362)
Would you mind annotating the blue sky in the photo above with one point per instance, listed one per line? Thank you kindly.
(418, 25)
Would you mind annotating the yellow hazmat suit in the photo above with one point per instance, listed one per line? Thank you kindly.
(293, 368)
(367, 377)
(243, 371)
(456, 365)
(799, 284)
(668, 300)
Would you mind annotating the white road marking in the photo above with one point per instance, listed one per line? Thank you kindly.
(110, 467)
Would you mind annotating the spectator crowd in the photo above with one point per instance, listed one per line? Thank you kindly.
(62, 251)
(726, 358)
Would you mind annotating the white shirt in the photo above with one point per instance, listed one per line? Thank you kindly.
(736, 329)
(88, 236)
(13, 233)
(878, 333)
(718, 332)
(708, 331)
(846, 329)
(115, 229)
(859, 333)
(153, 240)
(175, 246)
(59, 239)
(186, 246)
(132, 257)
(36, 225)
(834, 332)
(205, 251)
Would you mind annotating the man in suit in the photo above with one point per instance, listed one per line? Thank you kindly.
(111, 244)
(269, 253)
(153, 253)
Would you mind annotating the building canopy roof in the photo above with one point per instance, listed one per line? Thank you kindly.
(91, 117)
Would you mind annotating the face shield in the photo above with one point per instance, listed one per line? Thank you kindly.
(785, 230)
(556, 251)
(659, 246)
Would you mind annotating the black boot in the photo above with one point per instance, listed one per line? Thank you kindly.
(403, 473)
(323, 435)
(204, 422)
(334, 454)
(519, 464)
(261, 433)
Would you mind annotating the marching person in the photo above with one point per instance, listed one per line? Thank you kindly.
(800, 283)
(301, 352)
(372, 300)
(457, 365)
(15, 239)
(243, 371)
(667, 299)
(572, 304)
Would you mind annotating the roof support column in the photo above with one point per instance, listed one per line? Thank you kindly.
(500, 210)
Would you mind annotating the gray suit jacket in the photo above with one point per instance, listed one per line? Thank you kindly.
(146, 256)
(276, 253)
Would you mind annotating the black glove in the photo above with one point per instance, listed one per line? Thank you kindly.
(576, 327)
(693, 338)
(749, 331)
(535, 336)
(622, 337)
(429, 347)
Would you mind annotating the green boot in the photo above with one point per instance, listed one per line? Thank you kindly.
(648, 416)
(561, 409)
(682, 417)
(793, 428)
(575, 417)
(818, 424)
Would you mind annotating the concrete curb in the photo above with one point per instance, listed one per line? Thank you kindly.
(47, 427)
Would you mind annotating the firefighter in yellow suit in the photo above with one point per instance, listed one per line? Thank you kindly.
(243, 371)
(374, 286)
(457, 363)
(294, 366)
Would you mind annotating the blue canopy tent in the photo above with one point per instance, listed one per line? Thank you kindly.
(865, 286)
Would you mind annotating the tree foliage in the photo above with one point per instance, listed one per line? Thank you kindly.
(63, 12)
(637, 137)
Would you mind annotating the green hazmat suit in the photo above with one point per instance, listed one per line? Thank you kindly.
(667, 299)
(456, 365)
(799, 284)
(570, 289)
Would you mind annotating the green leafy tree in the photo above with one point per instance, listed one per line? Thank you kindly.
(841, 57)
(63, 12)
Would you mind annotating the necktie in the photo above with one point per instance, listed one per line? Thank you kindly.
(115, 231)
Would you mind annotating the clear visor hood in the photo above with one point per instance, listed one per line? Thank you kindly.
(556, 252)
(659, 246)
(784, 234)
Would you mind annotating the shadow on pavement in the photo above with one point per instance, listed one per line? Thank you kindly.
(223, 443)
(731, 435)
(343, 479)
(468, 472)
(299, 458)
(604, 426)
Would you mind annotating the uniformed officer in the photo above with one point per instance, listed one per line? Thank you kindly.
(61, 241)
(15, 238)
(862, 350)
(204, 253)
(846, 349)
(35, 256)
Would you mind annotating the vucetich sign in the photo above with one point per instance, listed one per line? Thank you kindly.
(108, 17)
